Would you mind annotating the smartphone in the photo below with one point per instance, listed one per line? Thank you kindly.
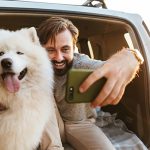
(74, 79)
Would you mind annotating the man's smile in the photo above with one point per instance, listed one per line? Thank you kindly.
(59, 65)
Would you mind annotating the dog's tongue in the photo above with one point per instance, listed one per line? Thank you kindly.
(12, 83)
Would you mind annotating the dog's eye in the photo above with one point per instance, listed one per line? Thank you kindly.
(20, 53)
(1, 53)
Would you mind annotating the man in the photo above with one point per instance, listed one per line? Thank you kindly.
(59, 37)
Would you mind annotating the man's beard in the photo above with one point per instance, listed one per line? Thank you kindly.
(61, 72)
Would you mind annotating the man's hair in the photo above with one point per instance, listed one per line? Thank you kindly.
(54, 25)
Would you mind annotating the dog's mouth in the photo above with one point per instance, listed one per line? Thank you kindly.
(12, 81)
(22, 74)
(2, 107)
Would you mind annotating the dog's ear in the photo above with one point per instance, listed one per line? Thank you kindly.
(33, 35)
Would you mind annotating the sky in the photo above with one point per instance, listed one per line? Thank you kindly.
(140, 7)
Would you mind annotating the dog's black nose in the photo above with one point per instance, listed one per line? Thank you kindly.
(6, 63)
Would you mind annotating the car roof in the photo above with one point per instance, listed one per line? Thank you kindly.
(53, 7)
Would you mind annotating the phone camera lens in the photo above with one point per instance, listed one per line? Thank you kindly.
(71, 91)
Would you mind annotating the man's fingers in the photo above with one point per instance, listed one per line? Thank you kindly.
(105, 92)
(115, 95)
(93, 77)
(116, 101)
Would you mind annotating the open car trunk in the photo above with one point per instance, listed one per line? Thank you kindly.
(101, 36)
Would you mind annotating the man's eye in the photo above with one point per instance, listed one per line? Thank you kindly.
(50, 50)
(1, 53)
(20, 53)
(65, 50)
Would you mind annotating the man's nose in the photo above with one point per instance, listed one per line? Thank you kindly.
(59, 56)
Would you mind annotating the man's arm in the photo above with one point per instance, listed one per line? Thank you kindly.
(119, 70)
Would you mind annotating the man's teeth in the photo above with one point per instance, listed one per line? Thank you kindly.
(59, 64)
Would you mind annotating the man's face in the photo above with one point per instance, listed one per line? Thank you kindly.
(61, 52)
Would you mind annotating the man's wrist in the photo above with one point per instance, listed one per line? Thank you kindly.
(137, 55)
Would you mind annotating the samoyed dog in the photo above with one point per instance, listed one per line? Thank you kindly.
(26, 89)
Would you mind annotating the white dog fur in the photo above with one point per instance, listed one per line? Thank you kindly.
(27, 102)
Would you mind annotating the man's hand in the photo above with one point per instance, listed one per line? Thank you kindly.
(119, 70)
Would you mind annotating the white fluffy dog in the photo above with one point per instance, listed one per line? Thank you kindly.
(26, 88)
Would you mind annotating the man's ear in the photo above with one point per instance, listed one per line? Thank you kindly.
(33, 35)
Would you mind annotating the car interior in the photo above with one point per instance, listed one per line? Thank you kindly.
(100, 37)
